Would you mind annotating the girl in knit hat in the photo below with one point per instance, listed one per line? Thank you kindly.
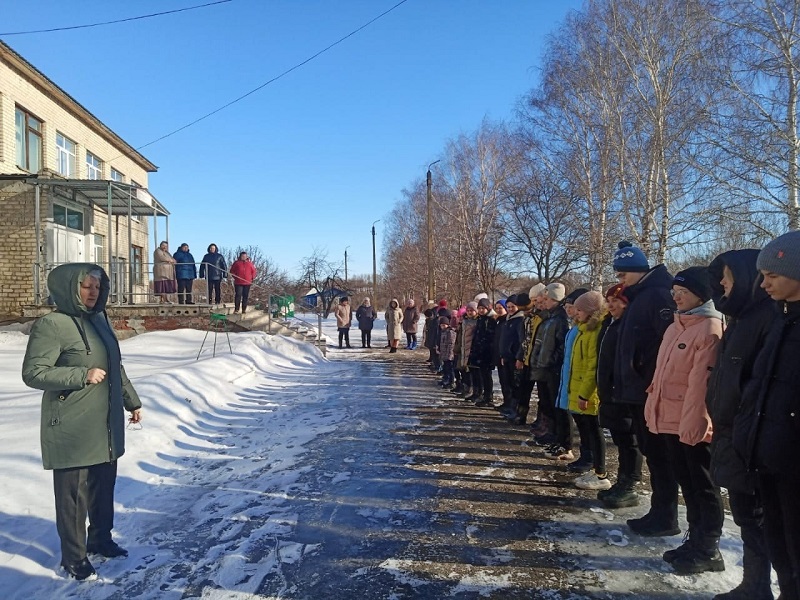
(589, 311)
(676, 412)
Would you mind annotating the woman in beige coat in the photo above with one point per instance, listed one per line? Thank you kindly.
(394, 324)
(164, 282)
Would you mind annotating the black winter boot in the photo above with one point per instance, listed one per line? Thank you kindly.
(685, 549)
(756, 579)
(702, 557)
(621, 495)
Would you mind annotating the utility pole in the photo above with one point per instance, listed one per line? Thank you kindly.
(374, 267)
(345, 267)
(430, 234)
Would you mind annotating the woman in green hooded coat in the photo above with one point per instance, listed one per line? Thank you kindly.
(74, 357)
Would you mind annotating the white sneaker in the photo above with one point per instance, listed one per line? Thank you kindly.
(584, 478)
(593, 482)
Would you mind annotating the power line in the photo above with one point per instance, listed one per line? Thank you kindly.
(274, 79)
(149, 16)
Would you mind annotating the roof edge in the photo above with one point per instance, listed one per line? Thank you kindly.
(69, 103)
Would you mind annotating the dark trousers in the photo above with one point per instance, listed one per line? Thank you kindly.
(410, 338)
(214, 286)
(618, 419)
(240, 298)
(366, 338)
(664, 500)
(779, 493)
(185, 291)
(487, 382)
(344, 335)
(692, 468)
(477, 381)
(546, 404)
(592, 441)
(505, 373)
(523, 389)
(448, 373)
(466, 377)
(80, 492)
(748, 513)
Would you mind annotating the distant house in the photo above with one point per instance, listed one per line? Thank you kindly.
(313, 299)
(71, 190)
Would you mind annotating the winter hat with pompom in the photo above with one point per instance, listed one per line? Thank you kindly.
(630, 259)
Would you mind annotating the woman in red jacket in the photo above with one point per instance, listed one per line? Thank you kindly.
(243, 272)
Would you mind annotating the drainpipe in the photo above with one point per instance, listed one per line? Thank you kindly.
(37, 270)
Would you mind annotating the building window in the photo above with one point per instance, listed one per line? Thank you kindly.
(65, 155)
(29, 141)
(117, 176)
(94, 167)
(99, 249)
(136, 185)
(68, 217)
(137, 264)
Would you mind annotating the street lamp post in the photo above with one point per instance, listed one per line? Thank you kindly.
(430, 234)
(374, 267)
(345, 266)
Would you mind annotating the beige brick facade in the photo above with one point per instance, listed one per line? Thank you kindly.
(24, 88)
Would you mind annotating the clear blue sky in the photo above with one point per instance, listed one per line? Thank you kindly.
(315, 157)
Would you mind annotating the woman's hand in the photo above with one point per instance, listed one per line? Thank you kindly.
(136, 416)
(95, 376)
(583, 403)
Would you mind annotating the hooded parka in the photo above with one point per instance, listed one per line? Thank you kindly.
(81, 424)
(582, 380)
(394, 320)
(750, 312)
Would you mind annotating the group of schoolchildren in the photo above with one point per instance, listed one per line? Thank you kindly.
(698, 374)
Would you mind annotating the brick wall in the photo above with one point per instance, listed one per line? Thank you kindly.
(17, 246)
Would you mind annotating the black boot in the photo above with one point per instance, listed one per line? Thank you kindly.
(654, 526)
(702, 559)
(685, 549)
(756, 579)
(621, 495)
(80, 570)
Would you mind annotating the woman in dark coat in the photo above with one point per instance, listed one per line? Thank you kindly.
(185, 273)
(214, 269)
(750, 312)
(366, 315)
(74, 357)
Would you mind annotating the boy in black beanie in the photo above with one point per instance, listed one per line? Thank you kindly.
(766, 429)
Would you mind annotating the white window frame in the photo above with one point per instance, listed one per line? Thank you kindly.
(94, 166)
(28, 133)
(65, 155)
(67, 210)
(99, 248)
(117, 175)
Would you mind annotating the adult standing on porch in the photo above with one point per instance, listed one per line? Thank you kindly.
(185, 273)
(163, 273)
(243, 272)
(214, 269)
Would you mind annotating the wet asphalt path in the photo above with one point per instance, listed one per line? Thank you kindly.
(418, 494)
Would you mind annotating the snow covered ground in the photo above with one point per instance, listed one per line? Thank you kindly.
(222, 446)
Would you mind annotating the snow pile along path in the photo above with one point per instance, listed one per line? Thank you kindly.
(203, 483)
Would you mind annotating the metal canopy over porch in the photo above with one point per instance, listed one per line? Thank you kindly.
(112, 197)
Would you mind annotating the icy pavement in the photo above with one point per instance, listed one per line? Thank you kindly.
(271, 477)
